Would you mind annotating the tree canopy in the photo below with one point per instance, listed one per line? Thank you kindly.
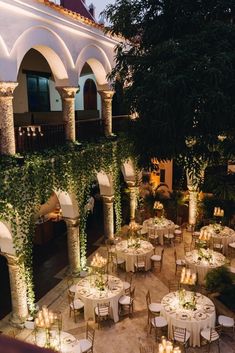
(176, 61)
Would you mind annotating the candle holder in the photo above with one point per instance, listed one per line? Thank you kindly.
(166, 346)
(47, 323)
(188, 277)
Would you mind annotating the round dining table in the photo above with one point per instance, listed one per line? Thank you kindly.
(203, 260)
(130, 250)
(195, 319)
(160, 226)
(221, 233)
(63, 342)
(91, 294)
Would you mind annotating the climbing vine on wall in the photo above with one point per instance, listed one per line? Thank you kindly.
(70, 168)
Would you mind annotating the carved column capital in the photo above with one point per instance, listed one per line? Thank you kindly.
(67, 92)
(108, 199)
(108, 95)
(7, 89)
(71, 222)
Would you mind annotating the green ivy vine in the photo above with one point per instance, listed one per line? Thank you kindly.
(70, 168)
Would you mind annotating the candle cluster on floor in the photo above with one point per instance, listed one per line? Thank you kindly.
(167, 347)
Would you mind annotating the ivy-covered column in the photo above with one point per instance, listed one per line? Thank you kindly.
(133, 201)
(68, 106)
(18, 291)
(73, 245)
(108, 216)
(106, 98)
(7, 136)
(193, 200)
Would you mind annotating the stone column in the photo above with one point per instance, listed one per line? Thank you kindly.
(68, 107)
(108, 217)
(193, 197)
(7, 138)
(133, 201)
(73, 245)
(106, 98)
(18, 291)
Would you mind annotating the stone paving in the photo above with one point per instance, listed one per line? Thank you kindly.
(124, 336)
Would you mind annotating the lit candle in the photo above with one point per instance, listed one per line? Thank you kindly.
(164, 343)
(160, 348)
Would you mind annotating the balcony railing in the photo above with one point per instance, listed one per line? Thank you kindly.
(32, 138)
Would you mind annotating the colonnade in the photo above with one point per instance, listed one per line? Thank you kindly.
(7, 140)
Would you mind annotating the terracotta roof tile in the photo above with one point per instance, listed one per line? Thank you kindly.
(73, 14)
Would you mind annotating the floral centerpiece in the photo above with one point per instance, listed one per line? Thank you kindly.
(187, 300)
(133, 243)
(217, 228)
(204, 255)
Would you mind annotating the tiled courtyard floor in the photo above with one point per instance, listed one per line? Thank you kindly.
(124, 336)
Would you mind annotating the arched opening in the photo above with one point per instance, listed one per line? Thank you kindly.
(5, 293)
(88, 105)
(94, 224)
(90, 95)
(6, 246)
(50, 252)
(37, 105)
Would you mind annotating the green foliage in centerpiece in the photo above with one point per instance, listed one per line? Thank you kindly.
(204, 255)
(186, 302)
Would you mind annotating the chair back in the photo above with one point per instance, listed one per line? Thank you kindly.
(173, 286)
(214, 332)
(141, 261)
(132, 293)
(147, 349)
(70, 282)
(179, 334)
(148, 298)
(103, 309)
(129, 277)
(71, 297)
(90, 333)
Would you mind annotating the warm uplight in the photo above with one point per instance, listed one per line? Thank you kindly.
(187, 277)
(167, 347)
(98, 261)
(218, 212)
(158, 205)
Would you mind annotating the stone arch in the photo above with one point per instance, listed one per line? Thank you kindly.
(67, 203)
(99, 63)
(51, 46)
(6, 239)
(105, 184)
(128, 172)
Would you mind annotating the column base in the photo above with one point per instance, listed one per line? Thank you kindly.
(15, 321)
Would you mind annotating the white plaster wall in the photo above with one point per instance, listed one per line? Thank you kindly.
(79, 103)
(32, 24)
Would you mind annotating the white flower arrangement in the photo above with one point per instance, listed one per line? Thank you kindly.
(158, 205)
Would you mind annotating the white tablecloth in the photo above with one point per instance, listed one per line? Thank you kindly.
(201, 267)
(91, 296)
(193, 320)
(161, 226)
(67, 342)
(129, 254)
(225, 234)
